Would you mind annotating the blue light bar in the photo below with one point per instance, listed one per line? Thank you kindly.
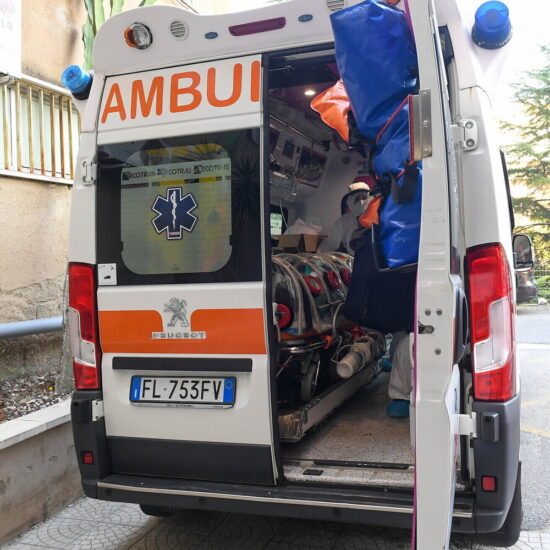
(77, 80)
(492, 28)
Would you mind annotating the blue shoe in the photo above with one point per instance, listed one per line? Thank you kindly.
(385, 365)
(398, 408)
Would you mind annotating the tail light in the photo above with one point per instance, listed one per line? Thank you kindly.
(491, 323)
(84, 327)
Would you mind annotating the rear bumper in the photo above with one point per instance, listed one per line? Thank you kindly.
(496, 453)
(393, 508)
(358, 506)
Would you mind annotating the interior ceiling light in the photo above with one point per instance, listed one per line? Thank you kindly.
(310, 92)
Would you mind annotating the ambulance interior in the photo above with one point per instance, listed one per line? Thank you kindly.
(311, 167)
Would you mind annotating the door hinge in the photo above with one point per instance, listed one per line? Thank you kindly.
(467, 424)
(89, 172)
(465, 134)
(97, 409)
(422, 125)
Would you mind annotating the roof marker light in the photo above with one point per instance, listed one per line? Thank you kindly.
(305, 18)
(138, 36)
(492, 28)
(211, 35)
(77, 81)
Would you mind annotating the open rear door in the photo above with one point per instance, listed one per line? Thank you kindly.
(437, 381)
(182, 293)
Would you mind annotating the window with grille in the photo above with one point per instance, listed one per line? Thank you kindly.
(39, 130)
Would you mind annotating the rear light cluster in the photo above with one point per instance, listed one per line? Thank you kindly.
(84, 327)
(491, 323)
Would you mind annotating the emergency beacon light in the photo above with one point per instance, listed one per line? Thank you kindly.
(492, 28)
(77, 81)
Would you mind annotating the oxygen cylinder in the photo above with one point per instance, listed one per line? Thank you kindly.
(358, 356)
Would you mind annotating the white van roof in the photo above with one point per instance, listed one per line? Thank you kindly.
(181, 37)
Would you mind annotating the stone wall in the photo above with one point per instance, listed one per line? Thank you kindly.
(34, 226)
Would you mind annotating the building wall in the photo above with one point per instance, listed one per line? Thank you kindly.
(35, 214)
(51, 33)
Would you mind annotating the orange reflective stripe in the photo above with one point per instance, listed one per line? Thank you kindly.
(228, 331)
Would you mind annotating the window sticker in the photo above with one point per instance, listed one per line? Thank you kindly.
(174, 213)
(176, 216)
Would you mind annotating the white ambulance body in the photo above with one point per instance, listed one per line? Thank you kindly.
(176, 297)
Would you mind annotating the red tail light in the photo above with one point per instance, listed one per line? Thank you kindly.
(491, 323)
(84, 327)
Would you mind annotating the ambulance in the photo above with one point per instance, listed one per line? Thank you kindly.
(199, 149)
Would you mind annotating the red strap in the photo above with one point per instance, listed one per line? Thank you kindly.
(284, 315)
(314, 284)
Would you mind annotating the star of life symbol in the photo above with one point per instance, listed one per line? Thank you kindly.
(174, 213)
(177, 308)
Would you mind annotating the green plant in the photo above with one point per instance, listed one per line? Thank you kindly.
(530, 156)
(95, 18)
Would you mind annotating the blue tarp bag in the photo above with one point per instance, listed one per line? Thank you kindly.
(376, 57)
(401, 208)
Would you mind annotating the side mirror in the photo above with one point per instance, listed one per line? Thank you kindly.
(523, 253)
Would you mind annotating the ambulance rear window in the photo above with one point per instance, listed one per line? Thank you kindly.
(181, 209)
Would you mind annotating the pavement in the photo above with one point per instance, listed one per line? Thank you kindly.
(96, 525)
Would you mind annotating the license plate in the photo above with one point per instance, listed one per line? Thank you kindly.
(183, 390)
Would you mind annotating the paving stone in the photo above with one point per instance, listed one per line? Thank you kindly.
(243, 526)
(294, 532)
(97, 525)
(169, 536)
(56, 533)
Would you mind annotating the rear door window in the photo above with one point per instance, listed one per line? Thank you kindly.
(183, 209)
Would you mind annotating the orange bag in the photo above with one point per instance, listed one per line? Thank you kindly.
(370, 215)
(333, 106)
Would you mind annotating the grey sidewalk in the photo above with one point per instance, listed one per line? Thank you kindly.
(95, 525)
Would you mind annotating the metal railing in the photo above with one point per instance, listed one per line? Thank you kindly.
(39, 129)
(541, 275)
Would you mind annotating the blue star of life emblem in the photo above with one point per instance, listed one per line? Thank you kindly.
(174, 213)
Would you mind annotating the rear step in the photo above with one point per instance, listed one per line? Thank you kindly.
(347, 473)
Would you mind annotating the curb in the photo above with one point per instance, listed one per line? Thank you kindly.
(38, 468)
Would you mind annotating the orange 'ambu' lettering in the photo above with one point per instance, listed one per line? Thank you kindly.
(146, 103)
(237, 87)
(114, 104)
(255, 81)
(176, 91)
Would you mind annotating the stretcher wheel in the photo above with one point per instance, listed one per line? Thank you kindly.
(310, 380)
(333, 280)
(284, 316)
(314, 284)
(346, 276)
